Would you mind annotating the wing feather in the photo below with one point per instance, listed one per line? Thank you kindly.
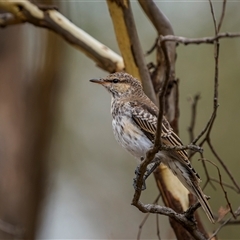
(145, 116)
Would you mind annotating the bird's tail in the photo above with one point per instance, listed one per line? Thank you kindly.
(190, 179)
(204, 202)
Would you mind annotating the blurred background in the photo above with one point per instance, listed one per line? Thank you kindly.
(89, 176)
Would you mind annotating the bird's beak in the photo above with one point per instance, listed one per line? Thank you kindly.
(99, 81)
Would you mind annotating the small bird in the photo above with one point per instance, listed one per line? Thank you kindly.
(134, 126)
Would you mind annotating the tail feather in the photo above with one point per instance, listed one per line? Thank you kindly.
(204, 202)
(190, 179)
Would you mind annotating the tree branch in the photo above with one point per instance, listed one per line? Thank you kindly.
(25, 11)
(208, 40)
(129, 44)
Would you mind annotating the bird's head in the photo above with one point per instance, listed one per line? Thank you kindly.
(119, 84)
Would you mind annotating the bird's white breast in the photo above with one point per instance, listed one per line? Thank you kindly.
(130, 136)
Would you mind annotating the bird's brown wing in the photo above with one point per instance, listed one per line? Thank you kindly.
(145, 116)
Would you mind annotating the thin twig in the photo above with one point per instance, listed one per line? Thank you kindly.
(220, 180)
(224, 184)
(193, 116)
(219, 228)
(208, 180)
(189, 225)
(158, 228)
(205, 129)
(213, 16)
(204, 40)
(222, 15)
(223, 165)
(141, 225)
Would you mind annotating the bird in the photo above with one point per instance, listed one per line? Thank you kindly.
(134, 123)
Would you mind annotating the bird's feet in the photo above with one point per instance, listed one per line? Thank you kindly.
(150, 168)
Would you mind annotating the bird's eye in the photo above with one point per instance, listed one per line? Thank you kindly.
(115, 80)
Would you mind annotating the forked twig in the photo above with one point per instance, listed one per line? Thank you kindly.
(208, 180)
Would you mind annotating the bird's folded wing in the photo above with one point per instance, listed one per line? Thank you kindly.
(146, 119)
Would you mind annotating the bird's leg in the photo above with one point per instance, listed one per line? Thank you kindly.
(150, 168)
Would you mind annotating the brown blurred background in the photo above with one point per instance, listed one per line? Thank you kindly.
(88, 178)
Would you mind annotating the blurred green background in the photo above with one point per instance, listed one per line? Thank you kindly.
(89, 188)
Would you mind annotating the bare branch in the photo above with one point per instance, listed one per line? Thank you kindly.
(206, 128)
(222, 16)
(186, 219)
(25, 11)
(206, 40)
(213, 16)
(188, 224)
(208, 180)
(223, 165)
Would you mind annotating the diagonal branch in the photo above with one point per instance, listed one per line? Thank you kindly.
(25, 11)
